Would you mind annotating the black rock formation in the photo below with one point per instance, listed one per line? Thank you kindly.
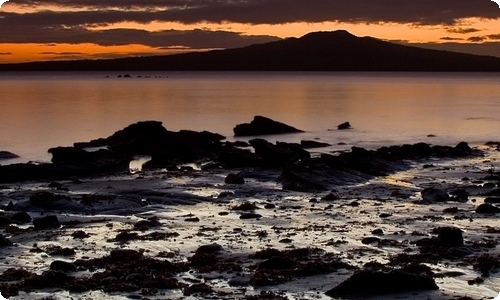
(370, 283)
(263, 126)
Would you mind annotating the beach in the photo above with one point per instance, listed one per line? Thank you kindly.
(287, 228)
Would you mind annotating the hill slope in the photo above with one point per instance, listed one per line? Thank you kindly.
(318, 51)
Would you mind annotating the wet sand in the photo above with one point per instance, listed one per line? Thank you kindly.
(165, 216)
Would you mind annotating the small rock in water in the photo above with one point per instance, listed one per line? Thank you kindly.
(344, 125)
(7, 155)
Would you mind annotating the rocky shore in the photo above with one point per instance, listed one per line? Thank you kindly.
(212, 219)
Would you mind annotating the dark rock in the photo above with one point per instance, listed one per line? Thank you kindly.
(59, 251)
(80, 234)
(273, 154)
(231, 158)
(330, 197)
(144, 225)
(55, 184)
(245, 206)
(369, 283)
(384, 215)
(147, 138)
(192, 219)
(460, 195)
(431, 195)
(245, 216)
(487, 208)
(449, 237)
(263, 126)
(451, 210)
(277, 263)
(210, 248)
(378, 232)
(125, 255)
(425, 242)
(370, 240)
(293, 179)
(4, 242)
(240, 144)
(46, 222)
(462, 149)
(7, 155)
(59, 265)
(313, 144)
(344, 125)
(21, 217)
(4, 221)
(233, 178)
(295, 148)
(492, 200)
(239, 281)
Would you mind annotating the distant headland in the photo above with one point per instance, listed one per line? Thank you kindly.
(317, 51)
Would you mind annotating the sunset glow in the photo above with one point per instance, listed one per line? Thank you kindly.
(55, 30)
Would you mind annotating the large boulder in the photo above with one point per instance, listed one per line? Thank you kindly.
(46, 222)
(450, 237)
(487, 208)
(273, 154)
(431, 194)
(263, 126)
(370, 283)
(150, 138)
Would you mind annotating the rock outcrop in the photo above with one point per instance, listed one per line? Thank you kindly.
(370, 283)
(263, 126)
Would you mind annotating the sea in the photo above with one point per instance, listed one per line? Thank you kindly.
(40, 110)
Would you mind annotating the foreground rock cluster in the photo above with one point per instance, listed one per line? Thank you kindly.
(255, 220)
(168, 149)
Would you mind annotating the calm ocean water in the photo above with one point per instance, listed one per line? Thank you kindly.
(43, 110)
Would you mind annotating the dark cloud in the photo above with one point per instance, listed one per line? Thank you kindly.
(463, 30)
(193, 39)
(447, 38)
(61, 53)
(256, 11)
(477, 39)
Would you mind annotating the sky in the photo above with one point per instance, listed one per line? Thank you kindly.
(32, 30)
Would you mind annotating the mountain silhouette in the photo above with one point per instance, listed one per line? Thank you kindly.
(317, 51)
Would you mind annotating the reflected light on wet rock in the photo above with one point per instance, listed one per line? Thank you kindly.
(135, 165)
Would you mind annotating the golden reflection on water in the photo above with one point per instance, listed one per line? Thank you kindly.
(46, 110)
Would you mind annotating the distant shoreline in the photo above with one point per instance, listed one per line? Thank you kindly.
(317, 51)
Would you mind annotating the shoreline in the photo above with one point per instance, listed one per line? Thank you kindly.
(371, 218)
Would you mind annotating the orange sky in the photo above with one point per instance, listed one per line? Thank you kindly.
(473, 31)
